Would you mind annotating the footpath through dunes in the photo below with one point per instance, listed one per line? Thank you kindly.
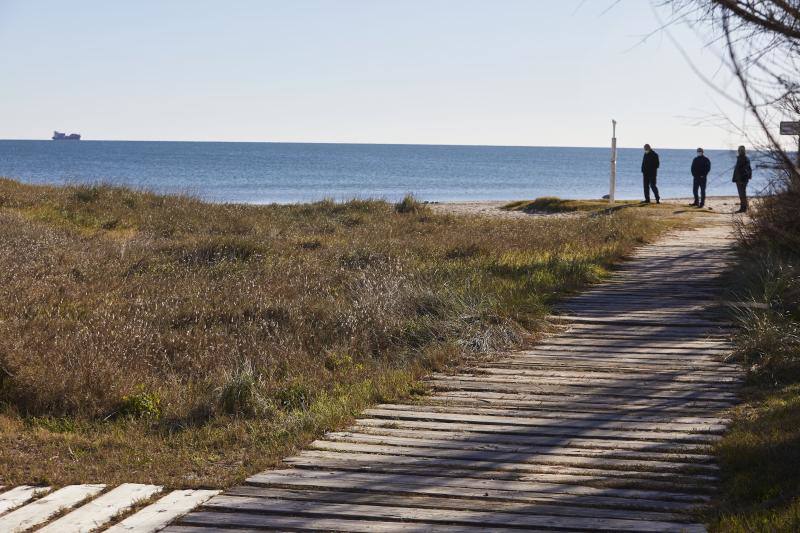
(606, 426)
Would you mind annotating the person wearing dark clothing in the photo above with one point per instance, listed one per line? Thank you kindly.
(701, 166)
(649, 173)
(742, 173)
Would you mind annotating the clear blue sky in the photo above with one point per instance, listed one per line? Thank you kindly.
(495, 72)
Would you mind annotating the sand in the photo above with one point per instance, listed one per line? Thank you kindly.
(723, 205)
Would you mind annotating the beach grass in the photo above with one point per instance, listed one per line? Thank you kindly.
(161, 339)
(760, 454)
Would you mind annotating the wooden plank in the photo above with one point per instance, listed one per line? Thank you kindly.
(704, 438)
(441, 516)
(550, 413)
(485, 488)
(589, 443)
(558, 410)
(601, 393)
(41, 510)
(579, 362)
(167, 509)
(474, 468)
(205, 522)
(17, 496)
(655, 377)
(641, 347)
(655, 390)
(548, 457)
(480, 503)
(101, 510)
(578, 403)
(656, 369)
(618, 355)
(586, 422)
(592, 381)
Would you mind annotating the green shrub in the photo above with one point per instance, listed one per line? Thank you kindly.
(294, 396)
(408, 204)
(140, 404)
(87, 193)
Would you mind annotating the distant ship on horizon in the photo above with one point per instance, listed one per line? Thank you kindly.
(58, 136)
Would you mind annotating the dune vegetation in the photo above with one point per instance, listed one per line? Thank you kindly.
(163, 339)
(760, 455)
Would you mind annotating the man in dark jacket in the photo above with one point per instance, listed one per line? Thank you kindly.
(649, 173)
(742, 173)
(701, 167)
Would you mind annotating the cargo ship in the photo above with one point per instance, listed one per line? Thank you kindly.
(58, 136)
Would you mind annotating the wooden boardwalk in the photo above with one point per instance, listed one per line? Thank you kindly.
(603, 427)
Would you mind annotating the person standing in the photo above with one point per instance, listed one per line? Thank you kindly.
(649, 172)
(742, 173)
(701, 167)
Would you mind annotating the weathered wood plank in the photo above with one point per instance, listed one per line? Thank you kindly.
(440, 516)
(474, 468)
(206, 522)
(485, 488)
(620, 377)
(463, 502)
(547, 456)
(589, 445)
(168, 508)
(40, 511)
(620, 415)
(498, 385)
(705, 438)
(101, 510)
(574, 400)
(528, 421)
(17, 496)
(592, 381)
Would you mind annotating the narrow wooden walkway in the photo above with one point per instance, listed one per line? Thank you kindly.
(88, 508)
(604, 427)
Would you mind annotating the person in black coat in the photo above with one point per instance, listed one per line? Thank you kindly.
(649, 173)
(701, 167)
(742, 173)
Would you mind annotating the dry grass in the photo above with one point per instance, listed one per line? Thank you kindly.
(760, 455)
(161, 339)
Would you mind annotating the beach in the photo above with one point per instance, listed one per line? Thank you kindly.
(496, 209)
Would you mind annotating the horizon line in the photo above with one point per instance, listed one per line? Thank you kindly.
(375, 144)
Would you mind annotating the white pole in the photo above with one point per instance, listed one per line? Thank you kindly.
(612, 186)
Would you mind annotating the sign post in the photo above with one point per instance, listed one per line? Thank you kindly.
(792, 128)
(612, 186)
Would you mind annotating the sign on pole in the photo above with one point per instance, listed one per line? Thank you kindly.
(613, 180)
(790, 128)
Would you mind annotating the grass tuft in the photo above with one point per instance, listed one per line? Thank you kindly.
(242, 394)
(409, 204)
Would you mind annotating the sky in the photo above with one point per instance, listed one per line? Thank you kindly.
(505, 72)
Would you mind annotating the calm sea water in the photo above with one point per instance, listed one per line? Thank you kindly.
(289, 172)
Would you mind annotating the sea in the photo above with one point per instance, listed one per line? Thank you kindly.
(262, 173)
